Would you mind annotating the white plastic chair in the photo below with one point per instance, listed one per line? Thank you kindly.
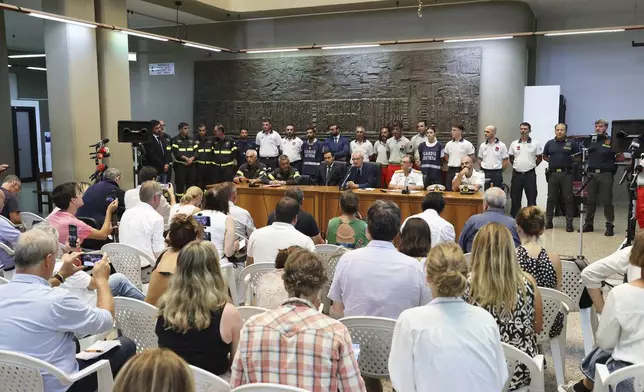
(29, 219)
(572, 286)
(331, 254)
(514, 357)
(21, 373)
(553, 302)
(606, 381)
(208, 382)
(264, 387)
(468, 258)
(251, 275)
(3, 281)
(8, 220)
(136, 320)
(6, 249)
(247, 312)
(374, 335)
(126, 259)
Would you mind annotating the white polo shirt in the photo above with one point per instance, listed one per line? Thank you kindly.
(417, 140)
(264, 243)
(142, 227)
(456, 150)
(478, 178)
(398, 149)
(366, 147)
(292, 148)
(493, 154)
(415, 177)
(269, 144)
(525, 154)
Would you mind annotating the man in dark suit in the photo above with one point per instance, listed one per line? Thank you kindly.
(330, 173)
(157, 152)
(338, 144)
(359, 175)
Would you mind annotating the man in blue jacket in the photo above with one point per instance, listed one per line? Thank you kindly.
(338, 144)
(100, 195)
(359, 175)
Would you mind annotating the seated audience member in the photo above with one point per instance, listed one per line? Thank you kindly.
(359, 175)
(619, 337)
(244, 224)
(442, 231)
(9, 236)
(330, 172)
(270, 291)
(448, 345)
(69, 199)
(40, 321)
(468, 176)
(415, 239)
(195, 321)
(141, 226)
(533, 258)
(615, 264)
(493, 202)
(498, 285)
(252, 171)
(265, 242)
(296, 333)
(222, 224)
(98, 196)
(407, 177)
(348, 229)
(155, 370)
(82, 186)
(148, 173)
(306, 223)
(183, 230)
(189, 204)
(399, 279)
(11, 186)
(284, 175)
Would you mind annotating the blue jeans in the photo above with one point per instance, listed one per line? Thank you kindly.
(122, 287)
(598, 355)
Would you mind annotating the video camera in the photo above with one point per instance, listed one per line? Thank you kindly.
(628, 136)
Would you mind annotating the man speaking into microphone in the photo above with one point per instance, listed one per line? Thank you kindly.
(359, 175)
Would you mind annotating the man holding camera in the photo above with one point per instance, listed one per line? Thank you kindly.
(98, 196)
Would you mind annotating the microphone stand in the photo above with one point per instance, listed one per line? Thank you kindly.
(343, 185)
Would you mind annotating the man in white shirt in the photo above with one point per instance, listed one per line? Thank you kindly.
(131, 198)
(525, 156)
(361, 143)
(244, 224)
(468, 176)
(441, 229)
(419, 138)
(399, 146)
(407, 177)
(264, 243)
(270, 144)
(493, 157)
(455, 150)
(141, 226)
(292, 147)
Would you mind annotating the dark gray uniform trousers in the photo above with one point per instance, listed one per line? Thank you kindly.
(601, 185)
(560, 185)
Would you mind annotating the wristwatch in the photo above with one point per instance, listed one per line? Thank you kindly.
(59, 277)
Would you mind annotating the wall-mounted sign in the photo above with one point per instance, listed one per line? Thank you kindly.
(161, 69)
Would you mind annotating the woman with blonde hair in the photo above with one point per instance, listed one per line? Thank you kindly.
(189, 204)
(498, 285)
(194, 319)
(155, 370)
(448, 344)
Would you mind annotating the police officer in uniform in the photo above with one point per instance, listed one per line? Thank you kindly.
(252, 171)
(204, 158)
(224, 152)
(601, 171)
(560, 153)
(284, 175)
(244, 144)
(183, 151)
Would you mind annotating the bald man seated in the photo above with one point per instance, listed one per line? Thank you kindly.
(468, 176)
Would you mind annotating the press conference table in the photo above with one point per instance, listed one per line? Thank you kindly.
(323, 202)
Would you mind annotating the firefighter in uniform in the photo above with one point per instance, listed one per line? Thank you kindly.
(601, 170)
(283, 175)
(252, 171)
(224, 152)
(183, 151)
(204, 158)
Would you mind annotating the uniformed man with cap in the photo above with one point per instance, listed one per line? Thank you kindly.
(560, 153)
(252, 171)
(601, 172)
(283, 175)
(224, 152)
(183, 151)
(407, 177)
(204, 158)
(493, 158)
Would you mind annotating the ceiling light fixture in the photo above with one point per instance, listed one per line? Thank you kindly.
(144, 35)
(478, 39)
(200, 46)
(61, 19)
(26, 56)
(37, 68)
(584, 32)
(272, 50)
(350, 46)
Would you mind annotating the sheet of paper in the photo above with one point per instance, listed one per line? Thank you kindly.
(97, 349)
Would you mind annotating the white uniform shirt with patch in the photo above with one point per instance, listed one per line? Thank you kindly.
(415, 177)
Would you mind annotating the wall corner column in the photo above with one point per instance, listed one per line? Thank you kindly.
(6, 123)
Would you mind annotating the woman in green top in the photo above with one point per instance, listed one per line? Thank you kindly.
(348, 229)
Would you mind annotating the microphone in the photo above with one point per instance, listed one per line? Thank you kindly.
(405, 190)
(344, 182)
(100, 143)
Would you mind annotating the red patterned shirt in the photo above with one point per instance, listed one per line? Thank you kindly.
(298, 346)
